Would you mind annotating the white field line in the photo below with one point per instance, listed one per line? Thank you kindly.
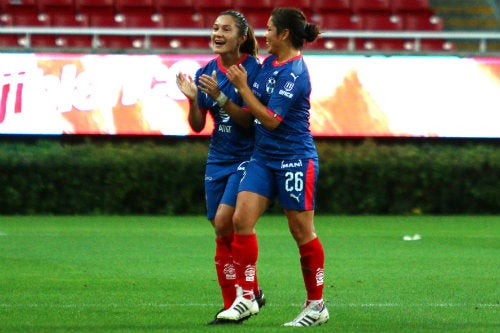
(330, 305)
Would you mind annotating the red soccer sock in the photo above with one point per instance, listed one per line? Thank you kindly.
(245, 253)
(312, 259)
(225, 269)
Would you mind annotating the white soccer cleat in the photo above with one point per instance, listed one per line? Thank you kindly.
(312, 315)
(241, 309)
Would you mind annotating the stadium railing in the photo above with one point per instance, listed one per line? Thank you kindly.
(479, 43)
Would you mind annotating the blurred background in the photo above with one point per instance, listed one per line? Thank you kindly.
(405, 104)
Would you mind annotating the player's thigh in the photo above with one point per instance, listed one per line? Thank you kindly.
(216, 177)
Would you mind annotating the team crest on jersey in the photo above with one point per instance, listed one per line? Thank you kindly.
(289, 86)
(271, 82)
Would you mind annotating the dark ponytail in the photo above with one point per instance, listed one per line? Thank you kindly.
(295, 21)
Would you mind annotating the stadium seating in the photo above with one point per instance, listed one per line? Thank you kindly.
(369, 15)
(380, 21)
(91, 7)
(358, 6)
(130, 5)
(67, 18)
(257, 19)
(422, 22)
(25, 14)
(62, 6)
(257, 12)
(104, 18)
(304, 5)
(173, 4)
(409, 5)
(335, 21)
(321, 6)
(259, 5)
(210, 9)
(426, 21)
(180, 18)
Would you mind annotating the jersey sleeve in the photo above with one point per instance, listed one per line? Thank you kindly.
(288, 89)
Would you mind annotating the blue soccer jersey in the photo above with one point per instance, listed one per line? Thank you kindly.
(285, 88)
(229, 141)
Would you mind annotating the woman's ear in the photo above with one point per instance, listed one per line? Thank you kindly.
(284, 34)
(243, 39)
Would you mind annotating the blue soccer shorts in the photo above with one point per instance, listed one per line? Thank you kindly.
(293, 182)
(221, 185)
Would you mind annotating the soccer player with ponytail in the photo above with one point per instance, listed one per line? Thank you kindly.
(232, 140)
(284, 165)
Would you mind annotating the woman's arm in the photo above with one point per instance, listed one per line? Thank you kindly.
(187, 86)
(238, 77)
(209, 85)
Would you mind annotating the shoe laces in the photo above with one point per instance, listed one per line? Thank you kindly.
(248, 294)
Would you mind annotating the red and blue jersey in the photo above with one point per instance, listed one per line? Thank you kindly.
(229, 141)
(285, 89)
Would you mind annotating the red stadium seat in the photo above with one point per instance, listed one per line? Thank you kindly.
(68, 19)
(210, 9)
(422, 22)
(8, 4)
(162, 42)
(91, 7)
(338, 21)
(382, 44)
(320, 6)
(335, 21)
(94, 3)
(142, 19)
(439, 45)
(124, 5)
(11, 40)
(68, 40)
(107, 19)
(218, 4)
(381, 21)
(181, 19)
(174, 4)
(358, 6)
(426, 21)
(26, 8)
(26, 18)
(257, 19)
(33, 19)
(138, 14)
(64, 16)
(257, 12)
(30, 19)
(51, 6)
(304, 5)
(409, 5)
(244, 5)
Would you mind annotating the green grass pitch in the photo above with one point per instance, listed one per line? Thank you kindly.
(156, 274)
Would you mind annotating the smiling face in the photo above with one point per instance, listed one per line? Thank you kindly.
(273, 41)
(226, 35)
